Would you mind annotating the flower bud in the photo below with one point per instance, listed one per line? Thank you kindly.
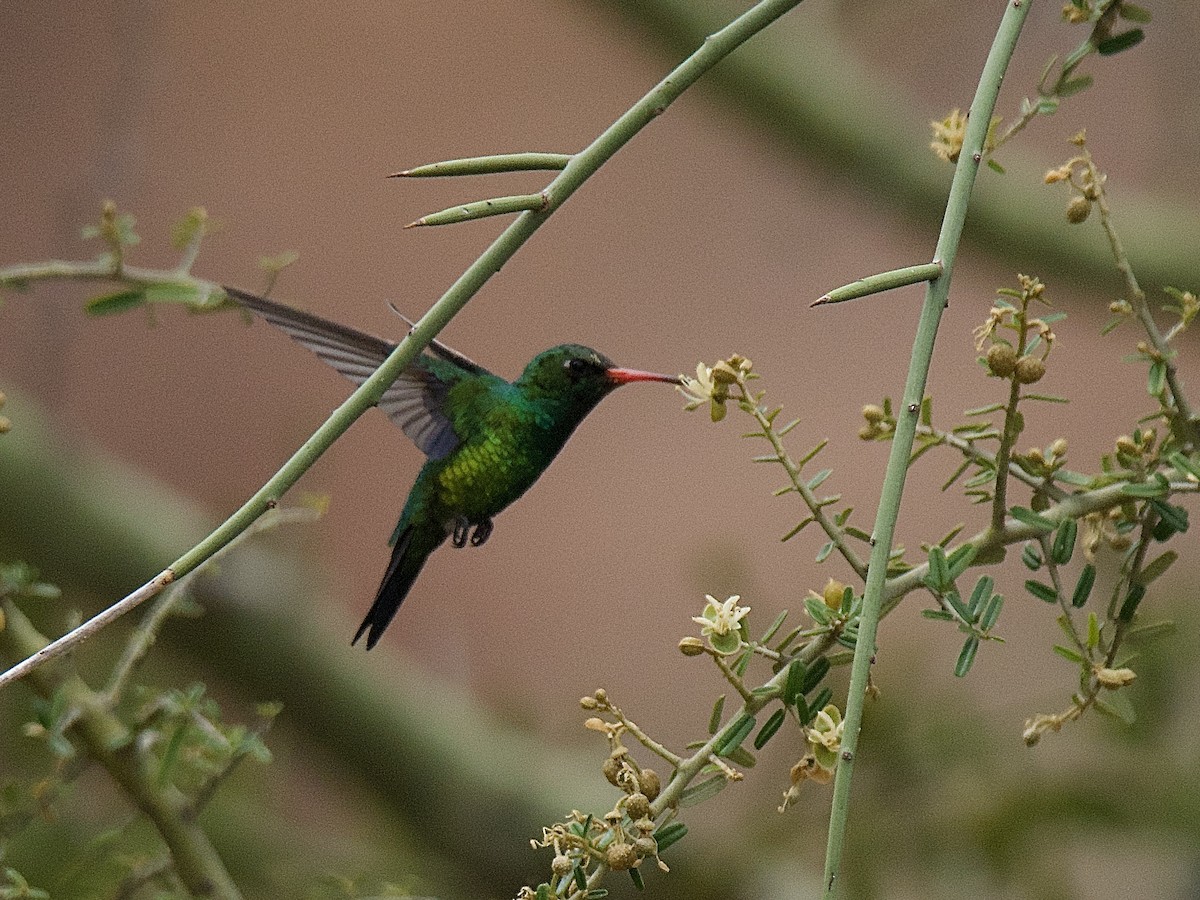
(1030, 370)
(1001, 360)
(612, 771)
(650, 783)
(561, 865)
(637, 805)
(832, 595)
(1078, 210)
(621, 856)
(873, 413)
(1115, 678)
(691, 646)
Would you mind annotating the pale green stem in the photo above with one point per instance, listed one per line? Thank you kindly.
(906, 421)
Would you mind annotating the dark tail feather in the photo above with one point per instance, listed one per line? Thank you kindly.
(413, 546)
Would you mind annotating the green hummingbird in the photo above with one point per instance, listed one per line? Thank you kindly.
(487, 440)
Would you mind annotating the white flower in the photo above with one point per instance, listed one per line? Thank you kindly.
(721, 617)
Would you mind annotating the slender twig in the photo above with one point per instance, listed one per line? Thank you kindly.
(108, 270)
(581, 167)
(1137, 299)
(831, 529)
(936, 296)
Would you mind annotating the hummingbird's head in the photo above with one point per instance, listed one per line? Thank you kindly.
(579, 375)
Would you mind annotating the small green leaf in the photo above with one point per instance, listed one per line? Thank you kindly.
(775, 626)
(1117, 705)
(636, 875)
(817, 480)
(580, 877)
(1132, 599)
(966, 656)
(735, 734)
(1184, 464)
(1157, 379)
(1151, 489)
(769, 728)
(957, 605)
(982, 591)
(1152, 631)
(1120, 42)
(1042, 591)
(939, 614)
(816, 671)
(1031, 555)
(1133, 13)
(1083, 587)
(1174, 518)
(543, 892)
(995, 166)
(116, 302)
(818, 703)
(991, 612)
(1157, 567)
(818, 611)
(669, 834)
(1032, 519)
(703, 790)
(1068, 654)
(1064, 542)
(793, 685)
(714, 719)
(938, 577)
(960, 560)
(1093, 631)
(176, 292)
(824, 552)
(742, 757)
(1074, 86)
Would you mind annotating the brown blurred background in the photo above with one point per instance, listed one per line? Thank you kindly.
(710, 233)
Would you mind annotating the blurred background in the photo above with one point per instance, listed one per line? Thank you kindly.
(800, 164)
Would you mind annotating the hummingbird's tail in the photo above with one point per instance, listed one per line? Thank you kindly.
(413, 545)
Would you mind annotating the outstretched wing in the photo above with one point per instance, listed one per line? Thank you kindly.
(415, 401)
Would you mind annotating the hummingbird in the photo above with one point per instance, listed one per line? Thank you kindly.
(486, 440)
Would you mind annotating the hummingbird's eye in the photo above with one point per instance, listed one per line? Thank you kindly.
(576, 366)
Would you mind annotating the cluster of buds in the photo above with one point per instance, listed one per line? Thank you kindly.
(1043, 463)
(948, 136)
(712, 385)
(1004, 360)
(1139, 451)
(1111, 528)
(625, 847)
(1082, 175)
(879, 426)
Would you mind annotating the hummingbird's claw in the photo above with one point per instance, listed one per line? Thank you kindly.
(459, 536)
(482, 532)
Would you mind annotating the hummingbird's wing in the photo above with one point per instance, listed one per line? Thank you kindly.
(415, 401)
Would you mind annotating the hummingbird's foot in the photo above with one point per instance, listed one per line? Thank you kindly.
(459, 536)
(483, 531)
